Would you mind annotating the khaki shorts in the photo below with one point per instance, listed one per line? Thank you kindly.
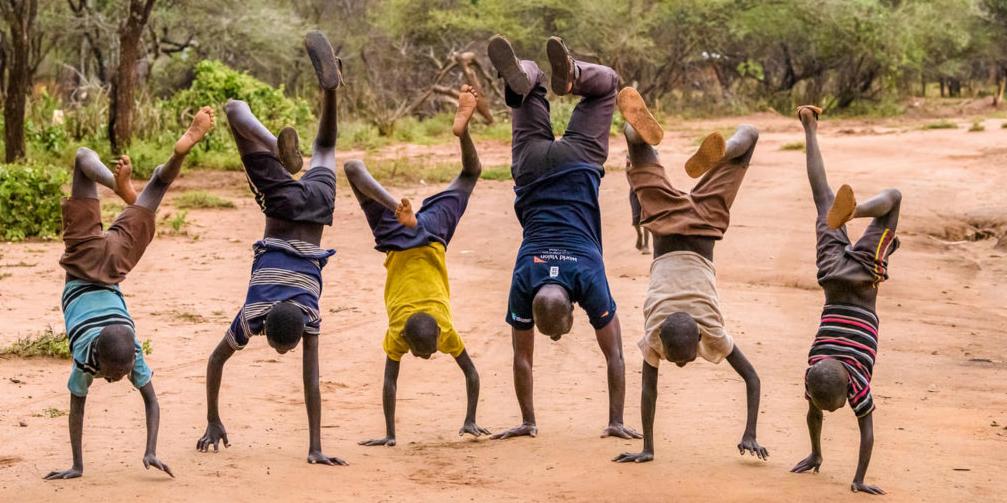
(103, 257)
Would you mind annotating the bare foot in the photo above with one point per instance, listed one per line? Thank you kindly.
(808, 114)
(842, 208)
(710, 152)
(635, 110)
(123, 183)
(404, 214)
(202, 123)
(468, 99)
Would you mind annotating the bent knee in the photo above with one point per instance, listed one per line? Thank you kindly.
(895, 195)
(233, 106)
(749, 131)
(354, 167)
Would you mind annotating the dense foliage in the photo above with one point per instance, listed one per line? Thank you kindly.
(30, 201)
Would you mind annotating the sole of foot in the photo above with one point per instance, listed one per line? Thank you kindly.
(404, 214)
(635, 110)
(468, 101)
(842, 208)
(201, 124)
(506, 63)
(323, 58)
(710, 152)
(561, 64)
(288, 146)
(123, 180)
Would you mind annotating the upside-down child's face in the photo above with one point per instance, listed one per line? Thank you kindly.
(281, 349)
(113, 373)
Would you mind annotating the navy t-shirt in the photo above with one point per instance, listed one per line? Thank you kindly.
(436, 221)
(562, 245)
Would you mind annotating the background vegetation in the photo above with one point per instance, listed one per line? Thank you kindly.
(126, 75)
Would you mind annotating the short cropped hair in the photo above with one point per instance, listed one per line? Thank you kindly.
(284, 325)
(827, 382)
(421, 333)
(115, 346)
(680, 337)
(552, 310)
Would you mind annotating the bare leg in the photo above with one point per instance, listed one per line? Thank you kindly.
(820, 189)
(324, 152)
(87, 170)
(365, 187)
(166, 173)
(249, 134)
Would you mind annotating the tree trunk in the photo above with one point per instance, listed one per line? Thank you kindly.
(120, 112)
(20, 16)
(998, 98)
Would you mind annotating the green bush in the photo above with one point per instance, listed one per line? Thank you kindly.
(215, 83)
(30, 201)
(46, 344)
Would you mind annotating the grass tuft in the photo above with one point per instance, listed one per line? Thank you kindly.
(174, 224)
(794, 145)
(941, 124)
(977, 126)
(201, 199)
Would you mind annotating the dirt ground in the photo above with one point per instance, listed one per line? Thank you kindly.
(940, 384)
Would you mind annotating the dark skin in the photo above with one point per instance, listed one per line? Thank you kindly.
(153, 414)
(390, 386)
(251, 137)
(366, 188)
(610, 341)
(740, 146)
(883, 207)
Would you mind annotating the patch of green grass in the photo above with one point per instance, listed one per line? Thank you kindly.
(147, 347)
(794, 145)
(361, 135)
(977, 126)
(174, 224)
(941, 124)
(500, 130)
(726, 132)
(110, 210)
(215, 160)
(496, 173)
(411, 171)
(45, 344)
(201, 199)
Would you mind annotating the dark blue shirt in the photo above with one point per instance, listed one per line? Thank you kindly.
(436, 221)
(560, 210)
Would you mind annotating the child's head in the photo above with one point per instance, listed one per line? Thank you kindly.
(827, 382)
(552, 310)
(680, 336)
(115, 352)
(284, 327)
(421, 333)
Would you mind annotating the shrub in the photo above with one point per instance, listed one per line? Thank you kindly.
(794, 145)
(201, 199)
(30, 201)
(215, 83)
(47, 344)
(977, 126)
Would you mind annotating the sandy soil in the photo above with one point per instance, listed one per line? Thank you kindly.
(940, 381)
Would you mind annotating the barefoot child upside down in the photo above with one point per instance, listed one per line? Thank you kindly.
(101, 332)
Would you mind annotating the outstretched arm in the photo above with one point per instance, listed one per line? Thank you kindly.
(388, 403)
(215, 431)
(752, 389)
(313, 402)
(610, 341)
(523, 342)
(153, 412)
(76, 432)
(648, 407)
(472, 395)
(814, 460)
(866, 424)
